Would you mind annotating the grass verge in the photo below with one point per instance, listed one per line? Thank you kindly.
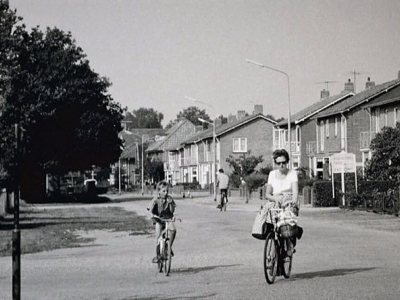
(48, 229)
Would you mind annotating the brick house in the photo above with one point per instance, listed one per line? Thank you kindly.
(303, 129)
(350, 125)
(159, 149)
(195, 156)
(130, 158)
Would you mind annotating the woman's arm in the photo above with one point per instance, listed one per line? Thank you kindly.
(295, 192)
(269, 196)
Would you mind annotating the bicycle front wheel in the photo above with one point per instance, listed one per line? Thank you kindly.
(287, 266)
(160, 261)
(168, 257)
(270, 258)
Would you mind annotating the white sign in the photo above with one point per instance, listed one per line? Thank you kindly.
(344, 162)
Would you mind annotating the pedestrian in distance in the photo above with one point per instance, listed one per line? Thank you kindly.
(222, 183)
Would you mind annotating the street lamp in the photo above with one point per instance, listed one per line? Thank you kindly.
(214, 156)
(145, 137)
(287, 76)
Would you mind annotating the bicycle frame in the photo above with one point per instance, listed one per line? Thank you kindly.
(164, 246)
(276, 263)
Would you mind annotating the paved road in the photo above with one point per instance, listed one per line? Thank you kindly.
(215, 258)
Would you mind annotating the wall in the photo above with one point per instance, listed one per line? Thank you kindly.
(259, 142)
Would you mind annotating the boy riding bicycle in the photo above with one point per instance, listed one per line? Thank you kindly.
(162, 206)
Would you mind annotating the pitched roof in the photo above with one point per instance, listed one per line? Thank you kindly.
(222, 129)
(129, 152)
(157, 145)
(358, 99)
(315, 108)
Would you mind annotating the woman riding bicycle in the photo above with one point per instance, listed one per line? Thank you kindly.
(162, 206)
(282, 188)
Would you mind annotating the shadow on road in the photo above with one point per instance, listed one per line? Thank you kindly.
(172, 298)
(198, 270)
(329, 273)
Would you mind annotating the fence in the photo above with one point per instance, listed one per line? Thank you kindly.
(377, 202)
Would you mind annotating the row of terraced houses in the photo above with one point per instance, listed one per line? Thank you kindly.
(344, 122)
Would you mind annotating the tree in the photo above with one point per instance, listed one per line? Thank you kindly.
(146, 118)
(192, 114)
(70, 122)
(385, 160)
(154, 170)
(244, 167)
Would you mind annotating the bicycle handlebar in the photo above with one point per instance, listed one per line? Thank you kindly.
(174, 219)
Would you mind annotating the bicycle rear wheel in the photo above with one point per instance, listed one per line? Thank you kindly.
(270, 258)
(168, 257)
(223, 208)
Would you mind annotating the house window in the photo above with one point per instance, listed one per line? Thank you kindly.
(386, 117)
(377, 127)
(327, 128)
(240, 145)
(336, 126)
(295, 162)
(396, 115)
(343, 133)
(321, 126)
(319, 167)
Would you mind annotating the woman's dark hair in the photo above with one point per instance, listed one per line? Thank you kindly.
(280, 152)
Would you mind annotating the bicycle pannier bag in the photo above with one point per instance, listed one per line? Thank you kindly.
(260, 227)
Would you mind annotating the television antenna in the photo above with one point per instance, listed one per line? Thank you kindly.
(355, 73)
(327, 82)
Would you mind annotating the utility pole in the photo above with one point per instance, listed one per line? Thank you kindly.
(16, 234)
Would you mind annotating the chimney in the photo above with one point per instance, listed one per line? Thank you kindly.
(324, 94)
(241, 114)
(369, 83)
(231, 118)
(349, 86)
(218, 122)
(258, 109)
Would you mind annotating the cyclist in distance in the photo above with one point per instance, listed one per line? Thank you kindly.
(222, 183)
(162, 206)
(282, 187)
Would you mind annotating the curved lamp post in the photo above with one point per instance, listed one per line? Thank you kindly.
(288, 82)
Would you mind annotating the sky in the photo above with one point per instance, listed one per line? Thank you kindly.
(172, 54)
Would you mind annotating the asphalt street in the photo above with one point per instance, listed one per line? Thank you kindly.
(215, 258)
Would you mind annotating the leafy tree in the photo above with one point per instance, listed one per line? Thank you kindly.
(154, 170)
(385, 160)
(192, 114)
(145, 118)
(244, 167)
(70, 122)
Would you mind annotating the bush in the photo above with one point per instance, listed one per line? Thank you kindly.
(323, 194)
(190, 185)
